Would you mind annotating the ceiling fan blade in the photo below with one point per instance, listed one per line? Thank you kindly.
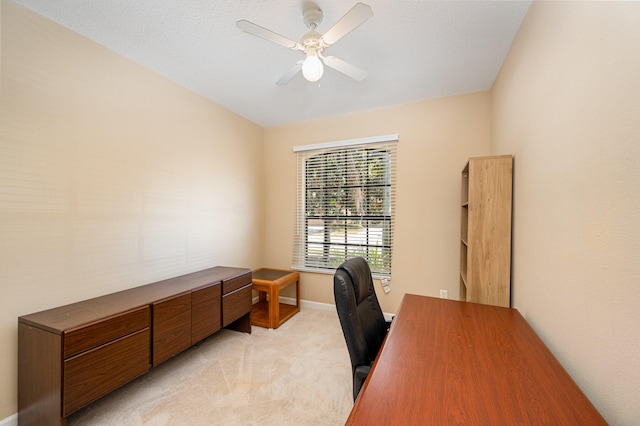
(261, 32)
(346, 68)
(350, 21)
(289, 74)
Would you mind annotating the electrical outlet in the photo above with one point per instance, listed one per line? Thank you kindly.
(385, 285)
(444, 294)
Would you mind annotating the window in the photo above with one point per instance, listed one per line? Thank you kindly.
(345, 204)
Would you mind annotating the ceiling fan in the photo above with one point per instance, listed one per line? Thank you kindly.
(313, 44)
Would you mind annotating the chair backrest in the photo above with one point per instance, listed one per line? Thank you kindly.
(361, 318)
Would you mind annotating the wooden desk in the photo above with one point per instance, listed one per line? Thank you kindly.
(451, 362)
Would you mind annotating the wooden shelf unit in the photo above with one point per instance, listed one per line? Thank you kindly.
(485, 230)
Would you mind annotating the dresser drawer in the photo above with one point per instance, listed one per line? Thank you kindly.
(205, 312)
(236, 305)
(233, 284)
(171, 327)
(92, 374)
(100, 332)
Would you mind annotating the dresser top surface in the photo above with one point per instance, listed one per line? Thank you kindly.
(63, 318)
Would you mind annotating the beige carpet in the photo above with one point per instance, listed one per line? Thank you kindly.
(298, 374)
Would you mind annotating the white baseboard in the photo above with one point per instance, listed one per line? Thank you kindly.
(303, 304)
(316, 305)
(12, 420)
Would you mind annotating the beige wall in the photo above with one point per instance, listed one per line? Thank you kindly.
(566, 104)
(436, 138)
(110, 177)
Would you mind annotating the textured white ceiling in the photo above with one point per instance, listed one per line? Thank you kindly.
(412, 49)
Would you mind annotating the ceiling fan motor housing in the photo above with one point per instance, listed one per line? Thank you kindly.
(311, 39)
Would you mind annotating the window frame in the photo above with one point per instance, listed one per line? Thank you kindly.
(378, 253)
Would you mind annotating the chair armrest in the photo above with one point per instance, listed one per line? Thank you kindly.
(359, 376)
(361, 372)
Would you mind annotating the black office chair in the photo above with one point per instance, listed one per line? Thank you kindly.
(361, 318)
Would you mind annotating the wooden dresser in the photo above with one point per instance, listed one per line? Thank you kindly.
(72, 355)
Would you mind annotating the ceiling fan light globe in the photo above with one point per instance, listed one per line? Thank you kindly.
(312, 68)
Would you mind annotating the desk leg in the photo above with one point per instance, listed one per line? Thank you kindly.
(298, 294)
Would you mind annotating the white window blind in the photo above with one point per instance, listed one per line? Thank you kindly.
(345, 204)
